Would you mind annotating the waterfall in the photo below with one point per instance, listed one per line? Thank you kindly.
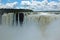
(35, 26)
(43, 19)
(7, 19)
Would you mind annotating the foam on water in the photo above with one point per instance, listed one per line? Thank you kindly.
(32, 29)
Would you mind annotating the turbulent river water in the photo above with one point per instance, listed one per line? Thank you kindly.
(39, 26)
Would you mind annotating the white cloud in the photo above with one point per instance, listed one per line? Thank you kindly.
(34, 5)
(17, 7)
(25, 3)
(8, 5)
(44, 5)
(11, 5)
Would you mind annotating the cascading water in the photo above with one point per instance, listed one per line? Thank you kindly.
(39, 26)
(7, 19)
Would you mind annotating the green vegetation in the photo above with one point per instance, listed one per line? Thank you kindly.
(15, 10)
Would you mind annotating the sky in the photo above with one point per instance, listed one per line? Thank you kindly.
(36, 5)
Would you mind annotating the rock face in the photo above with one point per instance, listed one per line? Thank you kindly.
(21, 18)
(15, 12)
(42, 19)
(16, 18)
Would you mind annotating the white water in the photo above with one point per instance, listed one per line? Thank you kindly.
(35, 27)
